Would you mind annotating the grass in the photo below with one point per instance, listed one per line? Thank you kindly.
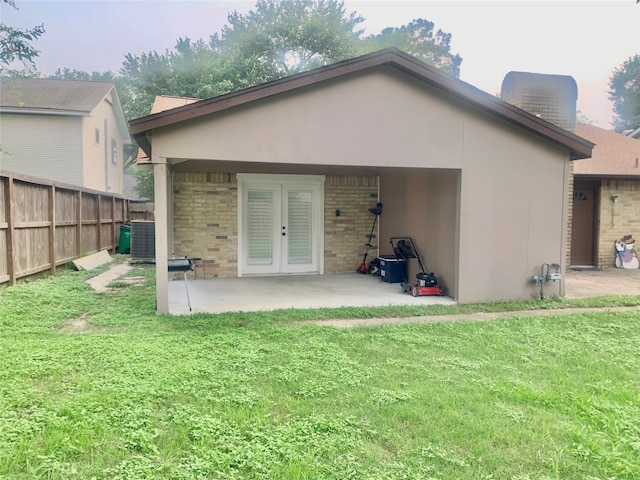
(96, 385)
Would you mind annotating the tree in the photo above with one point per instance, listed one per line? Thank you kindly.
(283, 37)
(582, 118)
(68, 74)
(624, 92)
(418, 38)
(15, 46)
(275, 39)
(144, 184)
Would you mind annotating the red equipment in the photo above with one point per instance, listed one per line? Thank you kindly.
(426, 283)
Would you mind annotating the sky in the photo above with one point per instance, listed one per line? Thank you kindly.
(586, 39)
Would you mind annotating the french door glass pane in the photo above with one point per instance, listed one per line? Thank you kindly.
(299, 213)
(260, 227)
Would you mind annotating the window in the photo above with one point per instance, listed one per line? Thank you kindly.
(114, 152)
(97, 136)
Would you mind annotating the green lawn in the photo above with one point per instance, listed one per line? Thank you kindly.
(98, 386)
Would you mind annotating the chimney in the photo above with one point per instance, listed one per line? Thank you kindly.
(550, 97)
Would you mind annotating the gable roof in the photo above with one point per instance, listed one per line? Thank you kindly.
(60, 97)
(614, 154)
(391, 58)
(160, 104)
(166, 102)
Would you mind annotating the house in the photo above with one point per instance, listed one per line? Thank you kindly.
(633, 133)
(606, 197)
(63, 130)
(277, 179)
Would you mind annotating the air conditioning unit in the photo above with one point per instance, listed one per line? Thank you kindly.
(143, 240)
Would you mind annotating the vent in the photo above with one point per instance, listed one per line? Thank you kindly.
(143, 240)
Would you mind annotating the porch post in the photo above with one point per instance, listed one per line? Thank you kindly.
(161, 195)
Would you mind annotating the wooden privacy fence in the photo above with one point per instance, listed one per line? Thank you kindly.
(45, 224)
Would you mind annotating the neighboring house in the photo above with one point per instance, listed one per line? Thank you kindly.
(63, 130)
(277, 179)
(160, 104)
(606, 196)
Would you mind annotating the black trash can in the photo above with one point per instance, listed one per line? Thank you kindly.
(393, 269)
(124, 244)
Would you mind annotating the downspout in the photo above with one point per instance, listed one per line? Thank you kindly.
(106, 157)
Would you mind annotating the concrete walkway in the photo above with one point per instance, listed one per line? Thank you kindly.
(608, 281)
(466, 317)
(100, 282)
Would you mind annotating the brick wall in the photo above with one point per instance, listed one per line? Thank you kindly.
(205, 209)
(206, 221)
(618, 218)
(346, 235)
(567, 260)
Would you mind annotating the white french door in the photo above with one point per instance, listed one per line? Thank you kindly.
(280, 224)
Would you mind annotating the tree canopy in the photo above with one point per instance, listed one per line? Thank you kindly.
(275, 39)
(15, 46)
(419, 39)
(624, 92)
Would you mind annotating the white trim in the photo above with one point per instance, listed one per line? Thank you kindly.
(258, 179)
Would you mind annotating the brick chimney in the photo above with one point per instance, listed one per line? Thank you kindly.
(550, 97)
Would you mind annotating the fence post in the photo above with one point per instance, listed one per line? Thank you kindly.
(113, 225)
(52, 229)
(11, 264)
(79, 225)
(99, 217)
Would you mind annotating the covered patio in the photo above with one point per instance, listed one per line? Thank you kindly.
(250, 294)
(278, 180)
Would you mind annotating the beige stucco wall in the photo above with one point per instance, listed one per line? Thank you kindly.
(500, 194)
(423, 204)
(94, 153)
(617, 219)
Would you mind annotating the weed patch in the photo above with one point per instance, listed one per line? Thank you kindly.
(253, 396)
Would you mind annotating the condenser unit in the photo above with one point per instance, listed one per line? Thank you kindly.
(143, 240)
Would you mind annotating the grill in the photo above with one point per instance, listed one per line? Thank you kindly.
(182, 265)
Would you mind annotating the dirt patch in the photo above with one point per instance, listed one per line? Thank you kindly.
(79, 325)
(75, 325)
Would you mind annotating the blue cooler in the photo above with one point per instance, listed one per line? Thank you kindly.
(393, 269)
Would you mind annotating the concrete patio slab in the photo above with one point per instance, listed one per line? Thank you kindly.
(251, 294)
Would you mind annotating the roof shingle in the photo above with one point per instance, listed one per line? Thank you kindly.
(615, 154)
(54, 95)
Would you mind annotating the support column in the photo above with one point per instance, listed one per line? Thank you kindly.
(161, 197)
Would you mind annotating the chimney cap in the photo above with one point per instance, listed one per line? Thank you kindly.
(518, 81)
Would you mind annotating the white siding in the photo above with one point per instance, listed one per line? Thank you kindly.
(46, 146)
